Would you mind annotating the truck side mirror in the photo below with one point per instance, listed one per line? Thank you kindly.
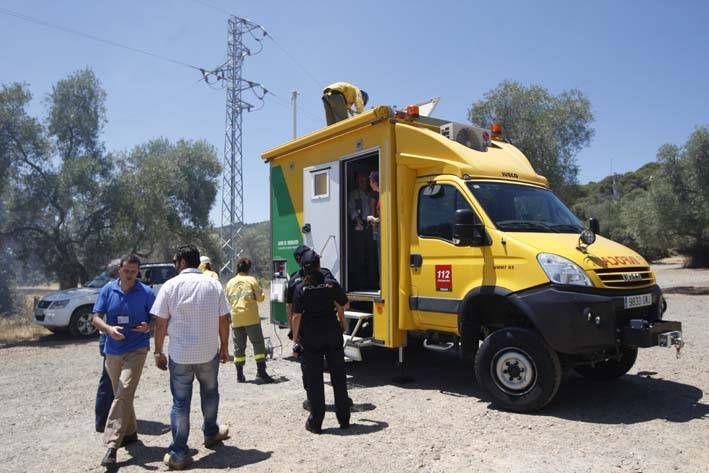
(468, 230)
(593, 225)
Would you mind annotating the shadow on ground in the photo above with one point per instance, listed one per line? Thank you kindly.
(227, 456)
(687, 290)
(361, 427)
(222, 456)
(627, 400)
(153, 428)
(630, 399)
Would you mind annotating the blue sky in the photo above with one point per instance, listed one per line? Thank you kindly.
(643, 65)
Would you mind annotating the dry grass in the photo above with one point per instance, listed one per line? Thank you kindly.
(19, 327)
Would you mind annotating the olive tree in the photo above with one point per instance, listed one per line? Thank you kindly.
(680, 192)
(549, 129)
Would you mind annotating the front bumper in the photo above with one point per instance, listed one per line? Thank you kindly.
(585, 321)
(52, 317)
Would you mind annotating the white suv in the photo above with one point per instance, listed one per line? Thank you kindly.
(71, 309)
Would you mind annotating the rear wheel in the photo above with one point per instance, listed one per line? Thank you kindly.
(80, 324)
(518, 370)
(610, 369)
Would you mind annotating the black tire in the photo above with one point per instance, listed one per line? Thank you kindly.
(469, 340)
(536, 371)
(610, 369)
(80, 325)
(468, 350)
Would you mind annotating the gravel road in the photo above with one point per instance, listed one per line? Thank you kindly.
(656, 418)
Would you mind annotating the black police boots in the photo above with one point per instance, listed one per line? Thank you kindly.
(261, 372)
(240, 378)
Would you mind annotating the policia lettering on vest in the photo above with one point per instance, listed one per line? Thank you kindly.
(318, 321)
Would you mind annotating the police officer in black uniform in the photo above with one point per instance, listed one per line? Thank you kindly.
(318, 317)
(296, 278)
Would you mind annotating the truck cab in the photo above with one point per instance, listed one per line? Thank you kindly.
(471, 250)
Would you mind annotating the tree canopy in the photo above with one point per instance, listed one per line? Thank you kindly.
(73, 206)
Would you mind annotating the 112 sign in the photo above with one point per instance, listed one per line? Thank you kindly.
(444, 278)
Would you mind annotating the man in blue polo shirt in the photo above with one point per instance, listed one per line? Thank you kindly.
(122, 313)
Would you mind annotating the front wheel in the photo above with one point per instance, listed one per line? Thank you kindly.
(518, 370)
(81, 325)
(612, 368)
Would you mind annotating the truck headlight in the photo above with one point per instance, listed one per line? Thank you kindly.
(59, 304)
(562, 271)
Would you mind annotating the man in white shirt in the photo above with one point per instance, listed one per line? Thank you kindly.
(192, 309)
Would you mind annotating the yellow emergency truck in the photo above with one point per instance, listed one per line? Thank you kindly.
(471, 246)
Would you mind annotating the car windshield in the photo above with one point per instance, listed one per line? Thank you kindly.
(520, 208)
(99, 281)
(157, 274)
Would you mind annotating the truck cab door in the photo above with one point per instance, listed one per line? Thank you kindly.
(442, 272)
(321, 213)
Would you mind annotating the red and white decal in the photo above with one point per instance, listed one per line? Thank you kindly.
(622, 260)
(444, 278)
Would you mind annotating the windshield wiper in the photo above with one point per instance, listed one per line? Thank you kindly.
(524, 225)
(568, 227)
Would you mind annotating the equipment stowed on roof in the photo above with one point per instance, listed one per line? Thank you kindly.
(471, 136)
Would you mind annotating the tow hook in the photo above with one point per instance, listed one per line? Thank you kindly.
(673, 338)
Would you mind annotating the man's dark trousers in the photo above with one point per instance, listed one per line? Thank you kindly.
(329, 346)
(104, 393)
(335, 107)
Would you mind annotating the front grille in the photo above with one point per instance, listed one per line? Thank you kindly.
(626, 278)
(43, 304)
(39, 317)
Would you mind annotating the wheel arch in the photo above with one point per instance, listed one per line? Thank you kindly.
(492, 308)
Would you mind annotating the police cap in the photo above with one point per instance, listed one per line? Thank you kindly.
(310, 258)
(298, 253)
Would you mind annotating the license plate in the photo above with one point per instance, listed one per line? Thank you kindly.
(640, 300)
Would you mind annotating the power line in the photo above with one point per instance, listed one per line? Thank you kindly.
(319, 83)
(292, 58)
(109, 42)
(213, 7)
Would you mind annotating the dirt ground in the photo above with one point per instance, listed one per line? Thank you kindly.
(656, 418)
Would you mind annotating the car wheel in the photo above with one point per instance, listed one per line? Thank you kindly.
(80, 324)
(518, 370)
(610, 369)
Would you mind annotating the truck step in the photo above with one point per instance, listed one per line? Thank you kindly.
(438, 346)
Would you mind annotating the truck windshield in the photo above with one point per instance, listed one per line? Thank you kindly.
(520, 208)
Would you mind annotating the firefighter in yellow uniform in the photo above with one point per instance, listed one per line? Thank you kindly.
(244, 293)
(205, 265)
(339, 98)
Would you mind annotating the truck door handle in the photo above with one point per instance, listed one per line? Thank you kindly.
(415, 261)
(306, 228)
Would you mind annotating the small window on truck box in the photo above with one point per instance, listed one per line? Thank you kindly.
(436, 212)
(321, 184)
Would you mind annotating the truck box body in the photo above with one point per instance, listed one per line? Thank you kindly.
(526, 265)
